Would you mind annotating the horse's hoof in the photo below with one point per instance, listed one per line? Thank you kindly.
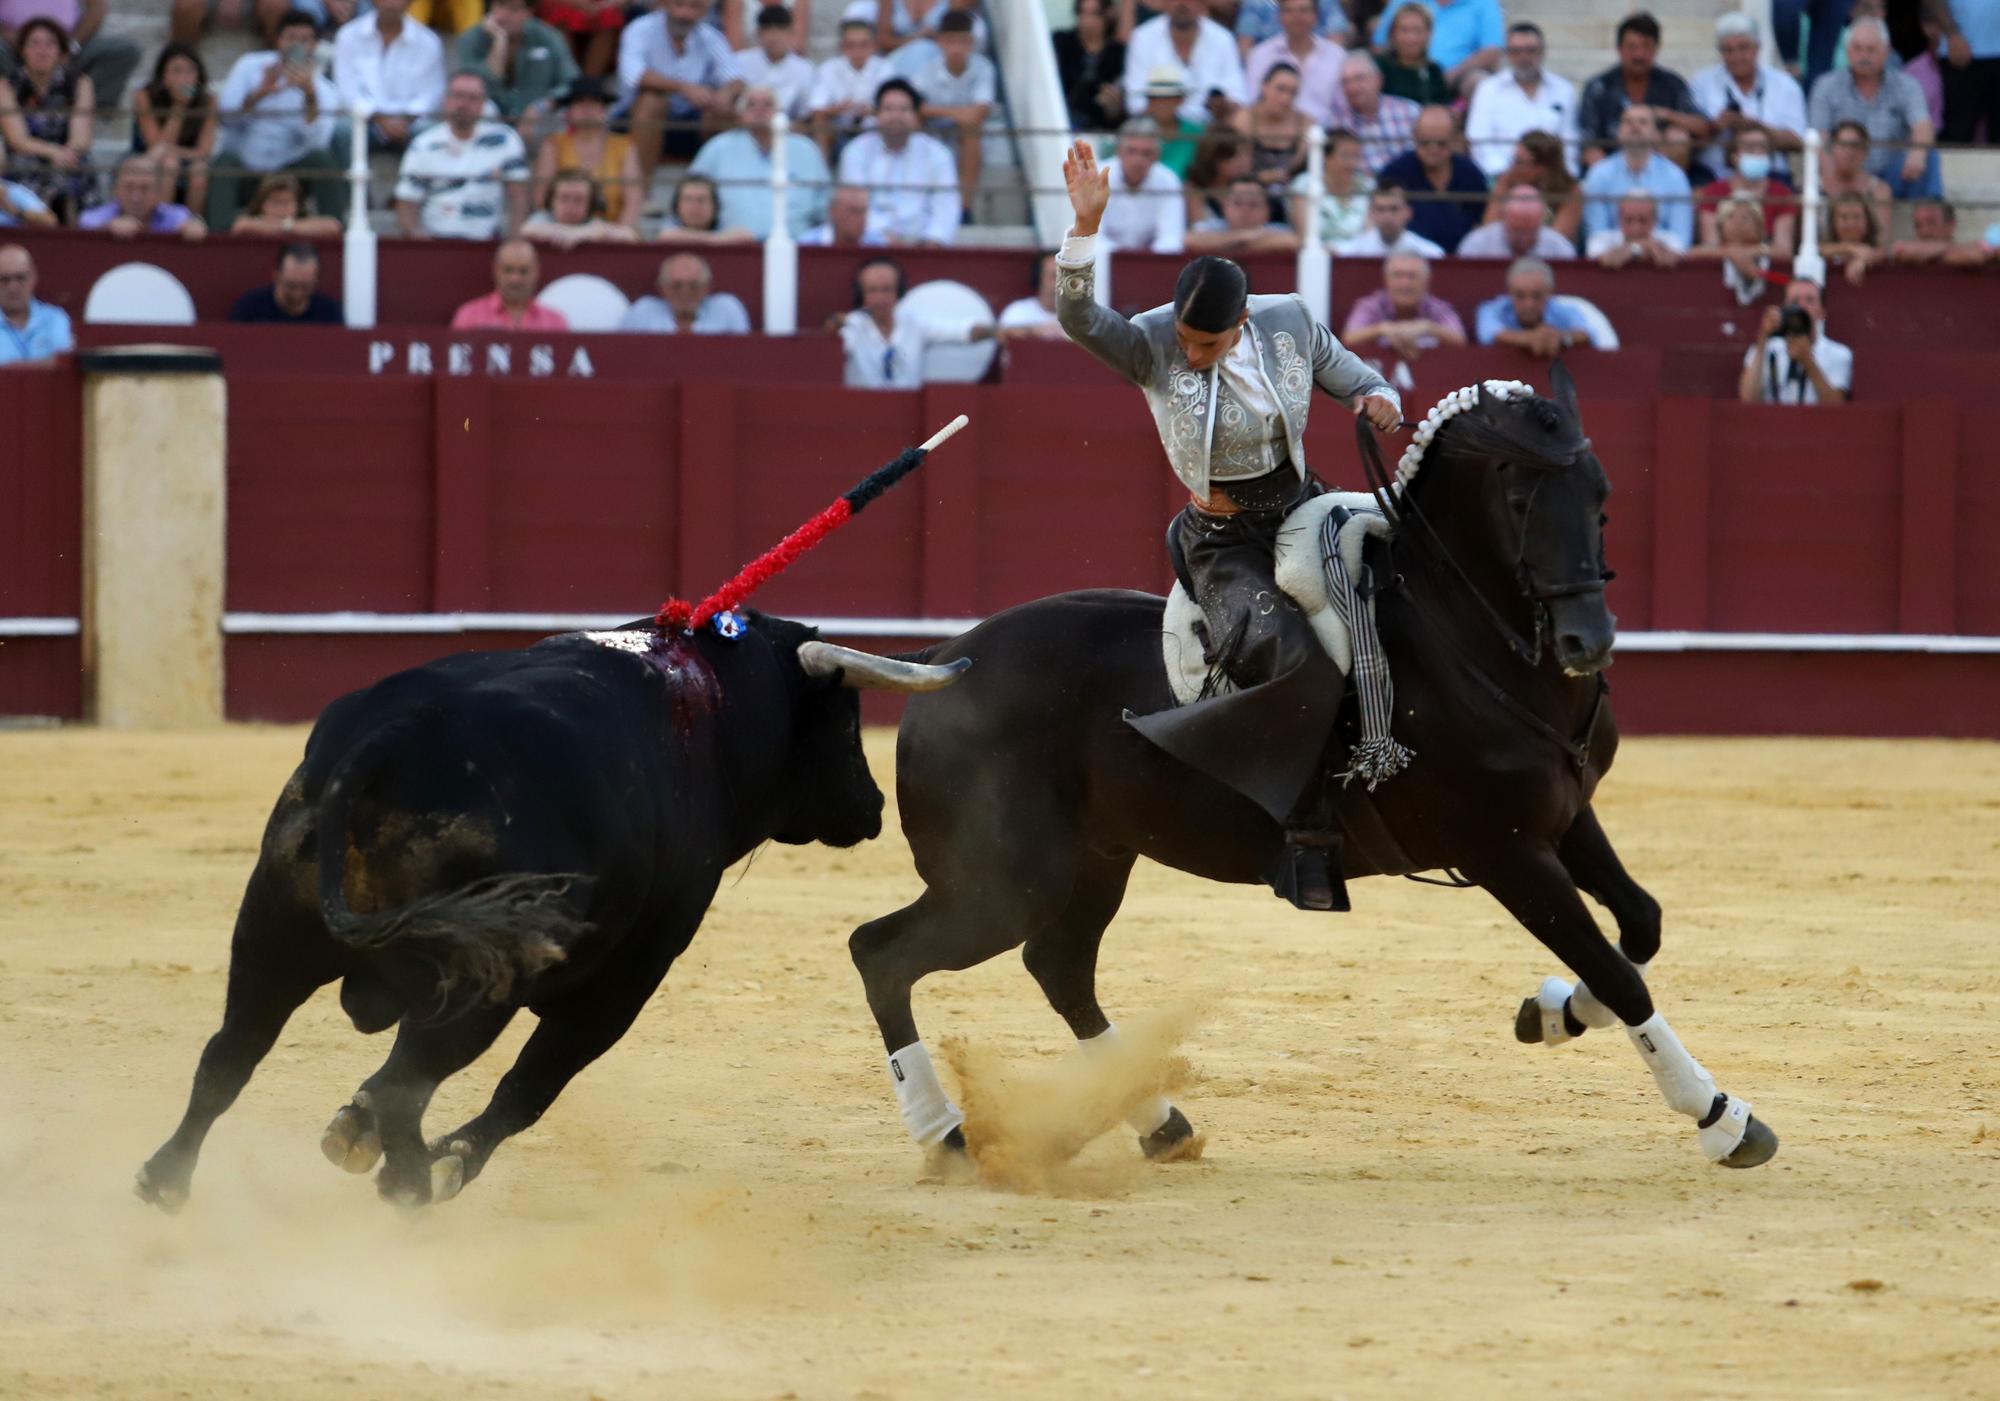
(447, 1177)
(1528, 1023)
(1174, 1141)
(1759, 1146)
(166, 1197)
(953, 1141)
(350, 1141)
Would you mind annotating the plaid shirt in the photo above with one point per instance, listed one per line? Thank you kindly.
(1391, 132)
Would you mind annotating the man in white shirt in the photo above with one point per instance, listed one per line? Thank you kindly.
(1388, 228)
(1521, 231)
(277, 114)
(1638, 241)
(958, 89)
(677, 80)
(846, 223)
(393, 66)
(911, 179)
(1187, 39)
(885, 350)
(1521, 98)
(773, 62)
(1298, 43)
(686, 303)
(465, 177)
(739, 162)
(1789, 366)
(1034, 318)
(1741, 93)
(844, 87)
(1147, 212)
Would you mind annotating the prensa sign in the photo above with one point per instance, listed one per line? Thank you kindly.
(537, 360)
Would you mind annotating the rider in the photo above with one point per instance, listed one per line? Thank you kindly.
(1229, 379)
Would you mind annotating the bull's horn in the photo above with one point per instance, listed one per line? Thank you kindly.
(865, 671)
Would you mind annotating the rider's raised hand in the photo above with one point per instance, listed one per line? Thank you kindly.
(1089, 186)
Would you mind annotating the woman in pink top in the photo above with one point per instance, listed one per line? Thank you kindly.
(511, 305)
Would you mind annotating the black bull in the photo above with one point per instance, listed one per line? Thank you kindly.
(542, 828)
(1026, 796)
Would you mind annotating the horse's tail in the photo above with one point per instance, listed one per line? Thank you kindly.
(482, 941)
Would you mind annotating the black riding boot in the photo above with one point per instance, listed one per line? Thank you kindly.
(1307, 868)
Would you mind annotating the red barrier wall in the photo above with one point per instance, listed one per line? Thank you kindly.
(41, 538)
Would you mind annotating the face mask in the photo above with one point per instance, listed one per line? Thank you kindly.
(1753, 165)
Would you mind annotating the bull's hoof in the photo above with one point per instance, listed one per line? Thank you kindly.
(167, 1196)
(1528, 1023)
(1174, 1141)
(447, 1177)
(350, 1141)
(1759, 1146)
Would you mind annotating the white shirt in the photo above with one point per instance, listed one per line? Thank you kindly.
(1030, 313)
(647, 47)
(837, 82)
(895, 361)
(912, 193)
(940, 87)
(1254, 441)
(462, 184)
(1490, 241)
(275, 132)
(1214, 63)
(821, 236)
(1368, 244)
(1151, 219)
(791, 77)
(1775, 99)
(1782, 381)
(1501, 113)
(1604, 240)
(405, 78)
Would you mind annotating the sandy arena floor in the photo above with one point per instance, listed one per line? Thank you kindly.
(1397, 1200)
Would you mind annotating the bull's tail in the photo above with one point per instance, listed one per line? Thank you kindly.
(483, 941)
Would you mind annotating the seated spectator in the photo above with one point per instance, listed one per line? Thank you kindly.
(1521, 98)
(738, 163)
(292, 297)
(21, 205)
(911, 179)
(900, 28)
(1889, 106)
(275, 212)
(1090, 62)
(46, 121)
(1245, 226)
(591, 28)
(393, 66)
(31, 332)
(956, 94)
(1405, 60)
(1742, 248)
(1317, 60)
(1851, 238)
(1449, 192)
(527, 63)
(844, 87)
(695, 215)
(883, 345)
(774, 62)
(1466, 40)
(1386, 125)
(135, 206)
(1638, 241)
(1521, 231)
(108, 60)
(1180, 139)
(1971, 31)
(174, 123)
(1388, 228)
(189, 20)
(1146, 213)
(277, 114)
(688, 302)
(1635, 81)
(1527, 317)
(1276, 129)
(1638, 166)
(1741, 95)
(1844, 170)
(1750, 178)
(676, 80)
(1936, 241)
(1187, 39)
(1034, 318)
(1223, 155)
(573, 213)
(846, 223)
(1792, 361)
(465, 177)
(1402, 318)
(1677, 146)
(511, 305)
(1343, 202)
(1539, 165)
(588, 143)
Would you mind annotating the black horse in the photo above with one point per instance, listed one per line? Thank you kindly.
(1026, 797)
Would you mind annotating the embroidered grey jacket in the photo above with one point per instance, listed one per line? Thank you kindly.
(1295, 352)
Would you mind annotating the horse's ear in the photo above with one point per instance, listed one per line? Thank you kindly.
(1565, 392)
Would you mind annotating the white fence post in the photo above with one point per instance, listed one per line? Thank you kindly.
(1315, 275)
(781, 254)
(1808, 263)
(357, 265)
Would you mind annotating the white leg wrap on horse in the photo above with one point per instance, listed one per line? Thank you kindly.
(927, 1113)
(1688, 1088)
(1550, 1001)
(1150, 1114)
(1585, 1007)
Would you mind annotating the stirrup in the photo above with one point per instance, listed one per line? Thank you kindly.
(1307, 872)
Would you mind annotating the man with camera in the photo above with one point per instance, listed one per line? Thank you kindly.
(1793, 362)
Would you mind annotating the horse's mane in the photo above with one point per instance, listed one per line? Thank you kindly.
(1511, 422)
